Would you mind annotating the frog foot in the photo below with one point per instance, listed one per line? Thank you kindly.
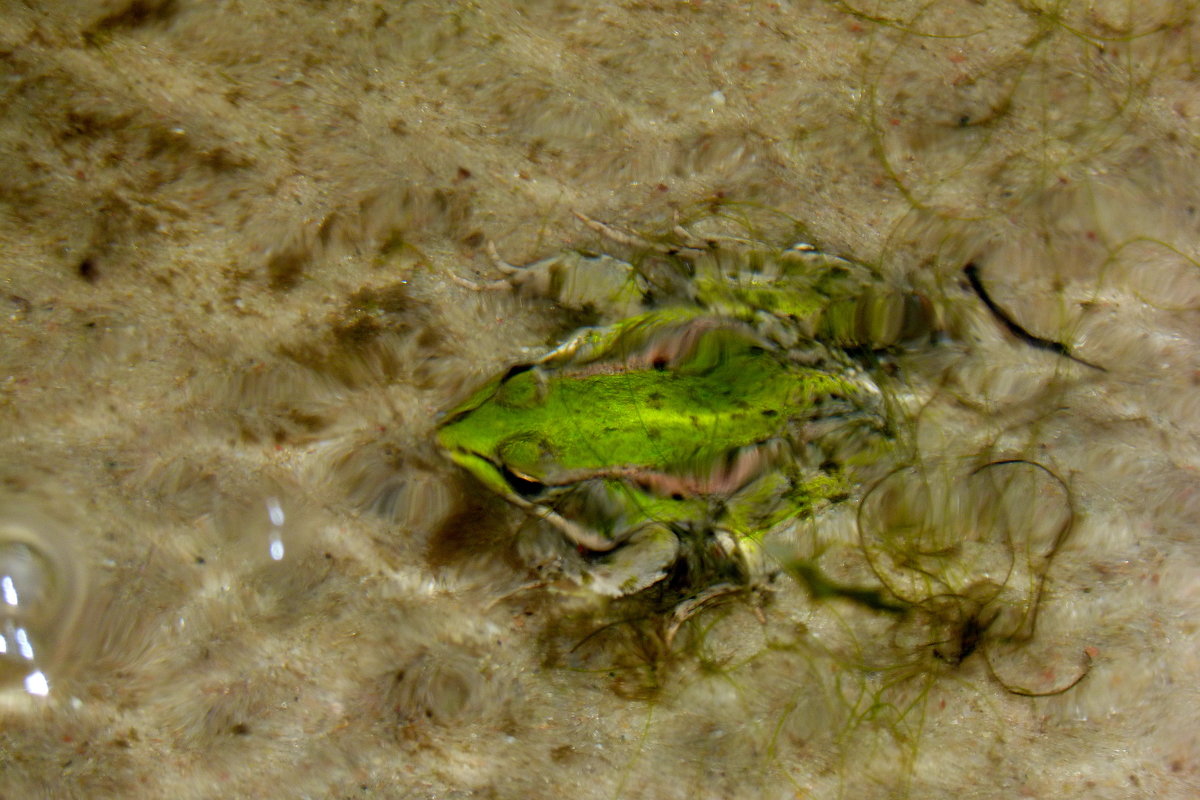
(691, 243)
(641, 561)
(694, 605)
(746, 552)
(514, 277)
(686, 243)
(575, 280)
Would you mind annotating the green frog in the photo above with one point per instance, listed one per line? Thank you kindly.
(717, 400)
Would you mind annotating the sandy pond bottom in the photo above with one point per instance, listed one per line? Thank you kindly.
(239, 568)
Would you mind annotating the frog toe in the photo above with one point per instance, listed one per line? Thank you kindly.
(748, 553)
(641, 561)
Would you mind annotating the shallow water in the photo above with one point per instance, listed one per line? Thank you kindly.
(243, 569)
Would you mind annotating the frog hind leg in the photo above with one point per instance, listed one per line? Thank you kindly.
(641, 561)
(578, 281)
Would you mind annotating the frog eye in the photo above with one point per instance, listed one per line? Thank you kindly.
(516, 370)
(522, 485)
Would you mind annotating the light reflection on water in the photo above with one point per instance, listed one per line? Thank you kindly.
(42, 589)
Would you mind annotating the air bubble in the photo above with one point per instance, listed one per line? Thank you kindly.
(42, 588)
